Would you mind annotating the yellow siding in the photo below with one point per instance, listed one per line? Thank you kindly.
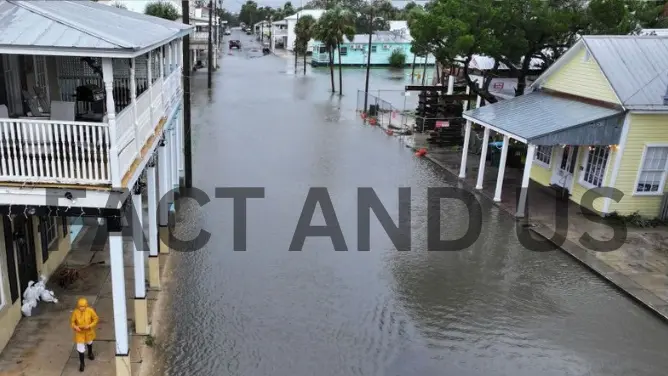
(10, 314)
(56, 254)
(643, 129)
(582, 78)
(541, 174)
(579, 190)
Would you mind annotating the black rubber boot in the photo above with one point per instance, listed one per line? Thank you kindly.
(81, 362)
(91, 356)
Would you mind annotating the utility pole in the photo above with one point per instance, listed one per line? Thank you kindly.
(210, 63)
(368, 60)
(293, 47)
(215, 26)
(187, 59)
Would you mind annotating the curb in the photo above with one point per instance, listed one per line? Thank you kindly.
(638, 294)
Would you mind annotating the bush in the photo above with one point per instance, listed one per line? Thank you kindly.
(397, 59)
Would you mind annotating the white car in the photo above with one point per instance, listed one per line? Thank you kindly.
(228, 32)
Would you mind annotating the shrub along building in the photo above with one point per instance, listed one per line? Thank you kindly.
(383, 44)
(86, 103)
(598, 117)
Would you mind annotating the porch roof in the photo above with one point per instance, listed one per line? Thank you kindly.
(542, 118)
(81, 28)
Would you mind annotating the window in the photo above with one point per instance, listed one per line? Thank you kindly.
(344, 51)
(652, 172)
(594, 168)
(51, 230)
(544, 155)
(323, 50)
(373, 48)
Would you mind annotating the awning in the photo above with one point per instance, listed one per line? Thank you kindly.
(541, 118)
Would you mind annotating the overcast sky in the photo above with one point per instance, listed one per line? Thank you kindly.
(235, 5)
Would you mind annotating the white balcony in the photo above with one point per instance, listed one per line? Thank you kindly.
(200, 37)
(91, 149)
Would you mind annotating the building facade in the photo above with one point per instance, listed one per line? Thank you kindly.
(596, 119)
(383, 45)
(88, 109)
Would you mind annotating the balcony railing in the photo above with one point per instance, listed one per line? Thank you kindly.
(74, 152)
(200, 36)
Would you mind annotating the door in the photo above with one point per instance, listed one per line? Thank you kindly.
(564, 170)
(24, 243)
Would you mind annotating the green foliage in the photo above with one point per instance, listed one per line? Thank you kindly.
(515, 32)
(163, 10)
(251, 13)
(636, 220)
(397, 59)
(304, 31)
(333, 27)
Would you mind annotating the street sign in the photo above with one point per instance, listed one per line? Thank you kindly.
(498, 85)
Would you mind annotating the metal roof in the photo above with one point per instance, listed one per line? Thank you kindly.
(315, 13)
(546, 119)
(635, 66)
(381, 37)
(81, 25)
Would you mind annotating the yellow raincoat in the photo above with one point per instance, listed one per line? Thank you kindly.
(85, 318)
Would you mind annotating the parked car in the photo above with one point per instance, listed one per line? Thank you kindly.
(248, 32)
(228, 32)
(235, 44)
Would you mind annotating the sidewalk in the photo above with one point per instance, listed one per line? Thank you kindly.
(639, 267)
(42, 344)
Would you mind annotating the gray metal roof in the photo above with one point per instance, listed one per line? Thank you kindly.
(80, 25)
(635, 66)
(545, 119)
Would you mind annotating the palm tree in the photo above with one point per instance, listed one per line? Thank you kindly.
(324, 35)
(304, 30)
(337, 24)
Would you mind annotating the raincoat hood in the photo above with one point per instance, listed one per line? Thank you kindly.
(82, 303)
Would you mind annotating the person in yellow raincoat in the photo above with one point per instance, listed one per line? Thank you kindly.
(84, 320)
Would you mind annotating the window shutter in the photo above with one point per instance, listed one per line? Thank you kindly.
(65, 226)
(11, 260)
(42, 232)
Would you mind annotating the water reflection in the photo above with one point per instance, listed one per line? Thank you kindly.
(492, 309)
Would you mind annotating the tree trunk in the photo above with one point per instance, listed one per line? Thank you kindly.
(331, 68)
(475, 89)
(338, 47)
(424, 71)
(522, 77)
(305, 63)
(413, 68)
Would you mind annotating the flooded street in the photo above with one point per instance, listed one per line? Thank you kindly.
(493, 309)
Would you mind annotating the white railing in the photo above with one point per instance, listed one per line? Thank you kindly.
(73, 152)
(200, 36)
(280, 32)
(54, 151)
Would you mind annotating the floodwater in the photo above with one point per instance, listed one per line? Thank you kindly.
(492, 309)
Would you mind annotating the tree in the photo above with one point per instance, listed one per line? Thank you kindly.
(249, 13)
(397, 59)
(304, 30)
(336, 25)
(163, 10)
(515, 33)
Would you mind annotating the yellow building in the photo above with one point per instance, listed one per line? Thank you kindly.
(34, 246)
(597, 118)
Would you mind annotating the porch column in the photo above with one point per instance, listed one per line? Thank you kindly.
(161, 67)
(173, 153)
(466, 102)
(169, 58)
(465, 149)
(451, 84)
(502, 169)
(521, 203)
(163, 210)
(108, 75)
(141, 307)
(118, 296)
(133, 101)
(153, 260)
(483, 159)
(179, 53)
(149, 74)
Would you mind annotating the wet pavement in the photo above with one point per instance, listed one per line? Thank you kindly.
(492, 309)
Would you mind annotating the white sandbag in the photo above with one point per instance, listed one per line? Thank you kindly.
(27, 307)
(48, 296)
